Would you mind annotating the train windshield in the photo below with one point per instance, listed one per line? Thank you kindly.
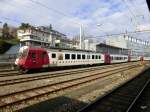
(23, 53)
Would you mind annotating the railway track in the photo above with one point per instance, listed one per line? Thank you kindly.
(10, 72)
(142, 101)
(14, 98)
(5, 66)
(123, 98)
(17, 80)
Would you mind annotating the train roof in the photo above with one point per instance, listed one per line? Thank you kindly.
(57, 48)
(70, 49)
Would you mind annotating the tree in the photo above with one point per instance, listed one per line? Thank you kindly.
(25, 26)
(5, 31)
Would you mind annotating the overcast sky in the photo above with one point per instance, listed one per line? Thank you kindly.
(67, 15)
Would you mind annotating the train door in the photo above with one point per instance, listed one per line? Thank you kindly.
(141, 58)
(53, 58)
(32, 60)
(107, 58)
(43, 58)
(129, 58)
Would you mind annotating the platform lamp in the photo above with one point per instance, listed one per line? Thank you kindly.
(0, 22)
(100, 25)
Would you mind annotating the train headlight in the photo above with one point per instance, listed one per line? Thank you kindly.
(16, 62)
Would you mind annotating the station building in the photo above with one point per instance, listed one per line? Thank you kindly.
(104, 48)
(137, 47)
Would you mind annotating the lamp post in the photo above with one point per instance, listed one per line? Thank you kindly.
(100, 25)
(80, 45)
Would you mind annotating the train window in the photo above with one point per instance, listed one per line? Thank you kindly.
(92, 56)
(73, 56)
(67, 56)
(111, 57)
(60, 56)
(33, 55)
(23, 54)
(43, 55)
(116, 58)
(87, 56)
(96, 56)
(53, 55)
(99, 56)
(78, 56)
(83, 56)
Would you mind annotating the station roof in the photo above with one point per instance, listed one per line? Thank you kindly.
(109, 46)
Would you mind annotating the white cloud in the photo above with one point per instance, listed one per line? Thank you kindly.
(113, 14)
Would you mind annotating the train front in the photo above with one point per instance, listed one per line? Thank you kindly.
(20, 61)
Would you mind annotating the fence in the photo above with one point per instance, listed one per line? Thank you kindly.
(8, 58)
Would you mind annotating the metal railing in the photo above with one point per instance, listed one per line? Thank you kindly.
(8, 57)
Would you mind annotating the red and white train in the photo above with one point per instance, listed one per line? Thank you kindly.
(36, 58)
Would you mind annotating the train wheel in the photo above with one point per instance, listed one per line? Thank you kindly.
(23, 71)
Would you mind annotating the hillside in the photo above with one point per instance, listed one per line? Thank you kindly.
(6, 44)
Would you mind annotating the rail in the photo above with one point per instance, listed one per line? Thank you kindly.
(120, 98)
(55, 87)
(138, 96)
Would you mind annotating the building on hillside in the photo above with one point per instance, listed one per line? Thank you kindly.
(11, 33)
(64, 43)
(33, 37)
(137, 46)
(42, 36)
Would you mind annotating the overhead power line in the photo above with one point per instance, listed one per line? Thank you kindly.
(9, 19)
(52, 9)
(130, 11)
(133, 32)
(49, 8)
(11, 4)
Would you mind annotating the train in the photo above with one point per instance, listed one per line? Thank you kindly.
(38, 58)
